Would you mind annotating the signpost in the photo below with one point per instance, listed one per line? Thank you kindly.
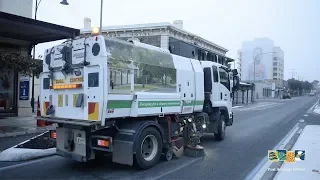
(24, 88)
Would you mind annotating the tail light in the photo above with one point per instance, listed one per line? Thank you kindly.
(53, 134)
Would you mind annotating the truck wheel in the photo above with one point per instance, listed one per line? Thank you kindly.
(149, 147)
(221, 129)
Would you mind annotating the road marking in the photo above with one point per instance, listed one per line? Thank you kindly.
(268, 107)
(305, 115)
(312, 107)
(262, 167)
(234, 107)
(24, 164)
(261, 106)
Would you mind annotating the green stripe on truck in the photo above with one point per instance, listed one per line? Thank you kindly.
(120, 104)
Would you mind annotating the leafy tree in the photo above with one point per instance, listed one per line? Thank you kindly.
(314, 83)
(21, 64)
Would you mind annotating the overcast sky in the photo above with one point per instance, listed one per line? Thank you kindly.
(292, 24)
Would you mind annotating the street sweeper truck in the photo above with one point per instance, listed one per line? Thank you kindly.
(134, 101)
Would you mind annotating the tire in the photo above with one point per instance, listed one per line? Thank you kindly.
(221, 129)
(148, 149)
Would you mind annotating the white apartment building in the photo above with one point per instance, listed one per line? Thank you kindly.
(269, 61)
(278, 64)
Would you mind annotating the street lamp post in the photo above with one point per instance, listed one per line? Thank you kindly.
(63, 2)
(101, 8)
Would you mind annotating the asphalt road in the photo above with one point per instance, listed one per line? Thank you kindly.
(257, 128)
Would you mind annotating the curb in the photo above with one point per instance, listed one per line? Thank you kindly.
(30, 131)
(18, 154)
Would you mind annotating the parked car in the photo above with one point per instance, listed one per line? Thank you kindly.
(286, 96)
(312, 94)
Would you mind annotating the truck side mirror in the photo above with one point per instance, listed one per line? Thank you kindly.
(236, 82)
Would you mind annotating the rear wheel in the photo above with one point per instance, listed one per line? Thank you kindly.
(221, 128)
(149, 147)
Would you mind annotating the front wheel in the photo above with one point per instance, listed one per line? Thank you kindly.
(148, 149)
(221, 129)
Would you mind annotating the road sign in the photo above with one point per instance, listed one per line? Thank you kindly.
(24, 90)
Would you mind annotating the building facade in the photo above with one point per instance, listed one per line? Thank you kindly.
(10, 100)
(269, 61)
(268, 71)
(168, 36)
(278, 66)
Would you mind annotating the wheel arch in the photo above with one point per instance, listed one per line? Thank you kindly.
(125, 140)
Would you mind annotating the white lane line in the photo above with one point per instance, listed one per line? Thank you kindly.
(264, 164)
(261, 107)
(312, 107)
(235, 107)
(268, 107)
(24, 164)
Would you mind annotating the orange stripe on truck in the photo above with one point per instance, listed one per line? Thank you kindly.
(93, 111)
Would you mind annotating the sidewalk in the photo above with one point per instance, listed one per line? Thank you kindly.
(14, 126)
(309, 169)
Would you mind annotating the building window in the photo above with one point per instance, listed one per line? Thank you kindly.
(275, 58)
(275, 64)
(181, 48)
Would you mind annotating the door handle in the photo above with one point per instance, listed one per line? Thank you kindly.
(221, 96)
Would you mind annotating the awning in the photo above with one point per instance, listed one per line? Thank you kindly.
(26, 29)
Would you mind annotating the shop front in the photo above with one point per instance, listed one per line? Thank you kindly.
(19, 35)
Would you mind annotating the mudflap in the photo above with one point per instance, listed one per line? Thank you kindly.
(124, 145)
(230, 120)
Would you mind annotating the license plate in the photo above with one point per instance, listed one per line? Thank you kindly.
(80, 140)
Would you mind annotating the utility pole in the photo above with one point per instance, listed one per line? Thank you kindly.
(292, 71)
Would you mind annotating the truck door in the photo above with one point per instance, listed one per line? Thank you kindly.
(93, 92)
(215, 85)
(224, 87)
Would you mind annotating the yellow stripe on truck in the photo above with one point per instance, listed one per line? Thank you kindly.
(93, 111)
(45, 106)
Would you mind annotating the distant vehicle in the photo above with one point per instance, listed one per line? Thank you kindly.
(312, 94)
(286, 96)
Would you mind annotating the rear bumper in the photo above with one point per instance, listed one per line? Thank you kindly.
(69, 146)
